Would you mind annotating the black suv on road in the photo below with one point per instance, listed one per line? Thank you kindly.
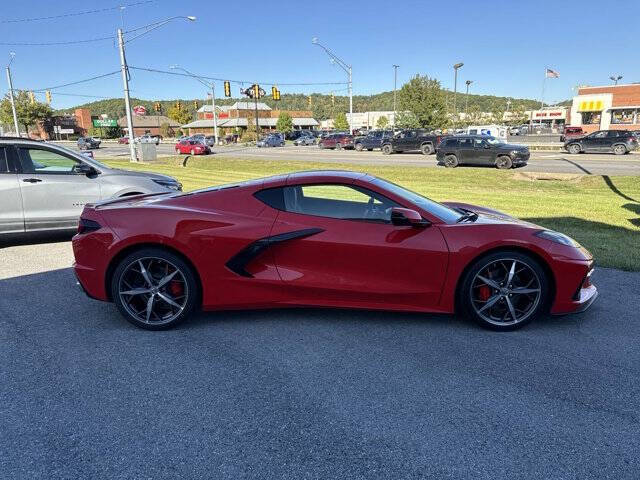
(372, 140)
(411, 141)
(481, 150)
(616, 141)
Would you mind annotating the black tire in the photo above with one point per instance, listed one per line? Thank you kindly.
(427, 149)
(338, 146)
(574, 149)
(450, 161)
(465, 293)
(192, 288)
(358, 147)
(386, 149)
(369, 149)
(503, 162)
(619, 149)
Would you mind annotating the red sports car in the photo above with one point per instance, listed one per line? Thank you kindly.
(329, 239)
(192, 147)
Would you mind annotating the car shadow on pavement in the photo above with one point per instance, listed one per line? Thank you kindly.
(18, 239)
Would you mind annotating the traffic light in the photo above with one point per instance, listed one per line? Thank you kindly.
(179, 105)
(157, 107)
(195, 104)
(32, 97)
(227, 89)
(274, 92)
(333, 99)
(309, 101)
(256, 91)
(47, 94)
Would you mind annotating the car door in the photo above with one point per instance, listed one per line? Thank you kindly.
(482, 152)
(349, 252)
(11, 214)
(53, 192)
(610, 139)
(595, 142)
(466, 151)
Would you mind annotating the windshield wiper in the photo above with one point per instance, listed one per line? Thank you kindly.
(467, 215)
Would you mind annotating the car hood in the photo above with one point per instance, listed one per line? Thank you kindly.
(131, 173)
(490, 216)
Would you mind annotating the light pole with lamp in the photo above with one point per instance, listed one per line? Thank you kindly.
(615, 78)
(125, 73)
(347, 68)
(13, 102)
(213, 96)
(395, 81)
(455, 86)
(466, 97)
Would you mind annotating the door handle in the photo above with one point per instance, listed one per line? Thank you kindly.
(31, 180)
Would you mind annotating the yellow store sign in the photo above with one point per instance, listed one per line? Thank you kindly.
(590, 106)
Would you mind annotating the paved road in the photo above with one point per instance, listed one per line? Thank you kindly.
(552, 162)
(306, 394)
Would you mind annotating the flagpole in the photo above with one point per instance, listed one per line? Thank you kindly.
(544, 82)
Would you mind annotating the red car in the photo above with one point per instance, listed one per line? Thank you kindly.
(192, 147)
(337, 141)
(326, 239)
(571, 132)
(124, 140)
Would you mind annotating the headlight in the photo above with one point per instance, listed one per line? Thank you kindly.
(557, 237)
(170, 184)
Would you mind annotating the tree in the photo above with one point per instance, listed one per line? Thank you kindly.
(425, 99)
(406, 120)
(340, 122)
(181, 116)
(284, 123)
(28, 113)
(166, 130)
(382, 122)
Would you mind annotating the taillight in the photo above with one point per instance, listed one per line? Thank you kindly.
(87, 226)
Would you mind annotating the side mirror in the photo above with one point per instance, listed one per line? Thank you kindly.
(485, 145)
(85, 169)
(408, 217)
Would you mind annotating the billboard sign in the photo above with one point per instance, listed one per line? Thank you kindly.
(139, 110)
(104, 122)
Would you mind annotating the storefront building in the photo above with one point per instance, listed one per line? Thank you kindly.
(613, 107)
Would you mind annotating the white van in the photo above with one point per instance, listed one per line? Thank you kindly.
(498, 131)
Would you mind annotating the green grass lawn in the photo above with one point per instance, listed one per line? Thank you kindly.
(602, 213)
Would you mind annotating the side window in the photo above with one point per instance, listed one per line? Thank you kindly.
(478, 142)
(338, 201)
(473, 131)
(4, 163)
(45, 161)
(613, 134)
(601, 134)
(465, 143)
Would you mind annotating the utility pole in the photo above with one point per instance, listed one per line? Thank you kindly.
(466, 97)
(455, 86)
(13, 103)
(395, 82)
(127, 99)
(255, 98)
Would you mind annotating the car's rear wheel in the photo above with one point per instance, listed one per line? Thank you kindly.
(386, 149)
(426, 149)
(503, 162)
(619, 149)
(504, 290)
(574, 148)
(154, 289)
(193, 152)
(359, 147)
(338, 146)
(450, 161)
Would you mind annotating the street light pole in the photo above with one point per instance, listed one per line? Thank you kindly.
(615, 78)
(466, 97)
(347, 68)
(127, 99)
(395, 82)
(455, 86)
(212, 86)
(13, 103)
(125, 74)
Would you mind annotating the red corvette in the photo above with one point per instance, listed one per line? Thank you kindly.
(324, 238)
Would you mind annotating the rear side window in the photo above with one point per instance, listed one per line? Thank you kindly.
(4, 164)
(272, 197)
(451, 142)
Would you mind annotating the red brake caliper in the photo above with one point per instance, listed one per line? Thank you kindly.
(176, 288)
(484, 293)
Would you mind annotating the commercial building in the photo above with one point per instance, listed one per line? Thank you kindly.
(237, 116)
(147, 124)
(363, 120)
(615, 107)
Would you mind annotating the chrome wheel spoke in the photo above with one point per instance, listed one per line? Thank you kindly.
(145, 274)
(524, 291)
(512, 270)
(167, 279)
(135, 291)
(169, 300)
(488, 281)
(511, 309)
(150, 307)
(490, 303)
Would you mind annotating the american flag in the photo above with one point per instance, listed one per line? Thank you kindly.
(551, 73)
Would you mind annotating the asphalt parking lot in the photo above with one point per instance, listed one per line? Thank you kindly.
(305, 394)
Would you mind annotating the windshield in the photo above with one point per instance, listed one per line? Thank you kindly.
(92, 161)
(493, 141)
(446, 214)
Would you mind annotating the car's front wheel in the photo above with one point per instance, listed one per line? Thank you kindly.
(359, 147)
(426, 149)
(386, 149)
(574, 148)
(503, 162)
(504, 290)
(154, 289)
(338, 146)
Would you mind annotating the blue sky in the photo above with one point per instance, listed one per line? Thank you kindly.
(505, 45)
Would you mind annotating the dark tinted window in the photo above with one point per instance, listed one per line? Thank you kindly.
(272, 197)
(465, 142)
(4, 166)
(451, 142)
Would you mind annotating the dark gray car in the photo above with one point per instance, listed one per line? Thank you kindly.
(44, 186)
(87, 143)
(481, 150)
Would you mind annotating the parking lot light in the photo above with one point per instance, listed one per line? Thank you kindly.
(213, 95)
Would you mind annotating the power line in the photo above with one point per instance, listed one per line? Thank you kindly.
(76, 82)
(76, 14)
(166, 72)
(49, 44)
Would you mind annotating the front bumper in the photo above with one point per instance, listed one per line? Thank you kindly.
(584, 292)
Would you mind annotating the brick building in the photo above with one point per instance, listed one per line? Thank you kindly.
(147, 124)
(615, 107)
(238, 116)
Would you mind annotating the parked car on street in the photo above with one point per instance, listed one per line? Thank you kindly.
(305, 140)
(343, 239)
(210, 141)
(337, 141)
(45, 186)
(123, 140)
(571, 132)
(481, 150)
(146, 138)
(272, 140)
(619, 142)
(372, 140)
(412, 140)
(87, 143)
(192, 147)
